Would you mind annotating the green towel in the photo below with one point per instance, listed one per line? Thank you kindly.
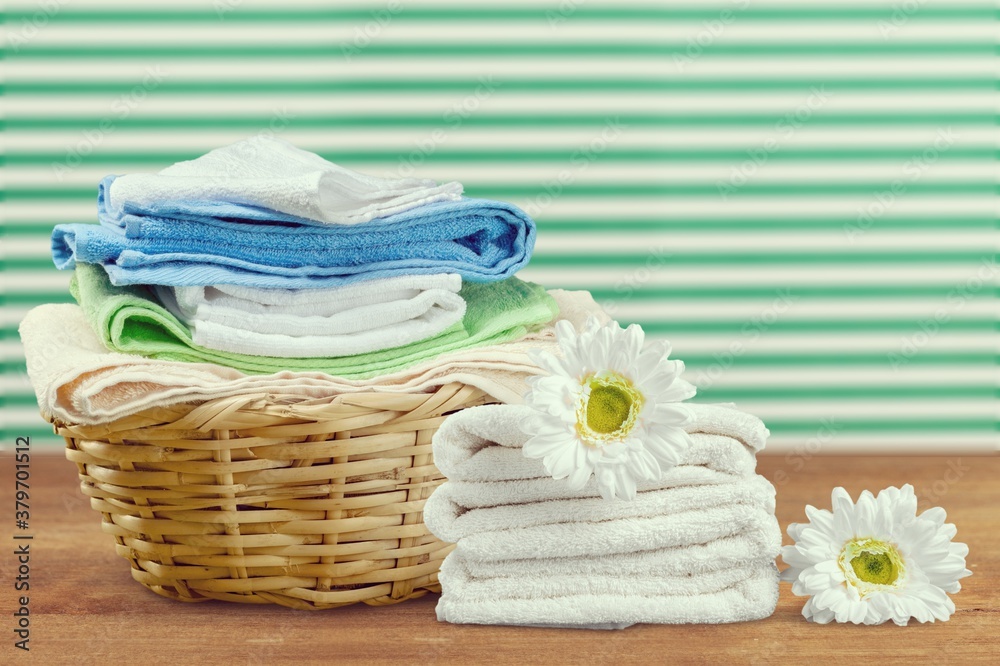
(130, 320)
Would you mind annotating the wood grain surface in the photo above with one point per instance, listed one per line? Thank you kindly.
(86, 609)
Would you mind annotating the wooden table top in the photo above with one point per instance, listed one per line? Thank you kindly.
(86, 609)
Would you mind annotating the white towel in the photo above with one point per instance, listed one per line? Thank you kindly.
(709, 565)
(354, 319)
(451, 518)
(215, 302)
(77, 380)
(752, 546)
(749, 592)
(580, 538)
(713, 460)
(271, 173)
(695, 546)
(569, 583)
(484, 444)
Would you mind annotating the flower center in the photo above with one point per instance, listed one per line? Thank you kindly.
(610, 410)
(871, 565)
(874, 568)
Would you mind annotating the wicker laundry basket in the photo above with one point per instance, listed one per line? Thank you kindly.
(307, 503)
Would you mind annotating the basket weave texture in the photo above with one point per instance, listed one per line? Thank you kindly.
(306, 503)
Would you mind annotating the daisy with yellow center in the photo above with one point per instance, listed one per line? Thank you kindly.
(876, 560)
(610, 411)
(607, 409)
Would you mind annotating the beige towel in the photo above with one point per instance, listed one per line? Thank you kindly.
(77, 380)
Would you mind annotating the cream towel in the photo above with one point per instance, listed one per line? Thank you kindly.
(77, 380)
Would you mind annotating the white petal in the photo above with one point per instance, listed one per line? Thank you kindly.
(626, 350)
(843, 514)
(539, 447)
(626, 483)
(935, 514)
(671, 414)
(817, 615)
(593, 324)
(645, 466)
(605, 481)
(793, 556)
(821, 519)
(680, 389)
(660, 379)
(560, 463)
(858, 612)
(828, 567)
(565, 333)
(667, 445)
(864, 514)
(579, 477)
(883, 526)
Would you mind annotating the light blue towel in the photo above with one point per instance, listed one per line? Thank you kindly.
(206, 243)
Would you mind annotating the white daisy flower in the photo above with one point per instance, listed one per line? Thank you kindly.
(608, 408)
(876, 560)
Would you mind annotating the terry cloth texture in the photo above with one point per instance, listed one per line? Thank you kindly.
(180, 246)
(696, 545)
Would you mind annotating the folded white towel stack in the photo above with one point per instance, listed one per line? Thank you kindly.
(695, 546)
(357, 318)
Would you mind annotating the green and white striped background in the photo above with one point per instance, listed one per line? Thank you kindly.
(703, 168)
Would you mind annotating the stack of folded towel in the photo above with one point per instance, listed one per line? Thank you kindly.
(77, 379)
(265, 258)
(697, 546)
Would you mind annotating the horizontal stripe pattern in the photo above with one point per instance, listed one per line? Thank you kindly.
(586, 49)
(485, 12)
(799, 195)
(431, 121)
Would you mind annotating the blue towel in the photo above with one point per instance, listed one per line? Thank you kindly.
(205, 243)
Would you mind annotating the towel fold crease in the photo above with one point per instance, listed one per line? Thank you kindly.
(344, 321)
(449, 515)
